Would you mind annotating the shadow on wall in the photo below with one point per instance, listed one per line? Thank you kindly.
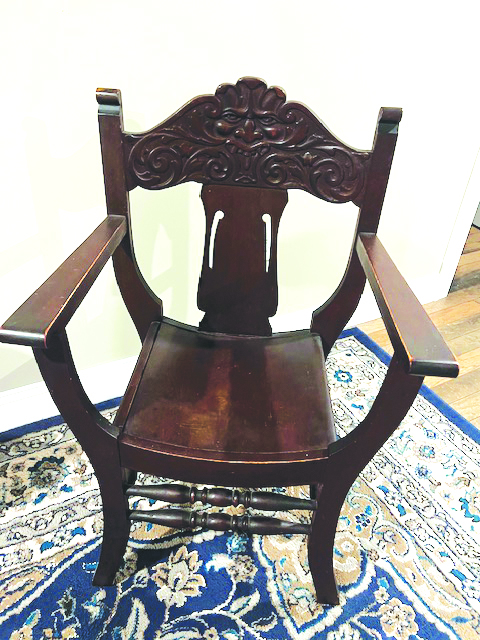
(168, 236)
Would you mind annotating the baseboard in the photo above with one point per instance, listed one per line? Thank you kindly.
(33, 402)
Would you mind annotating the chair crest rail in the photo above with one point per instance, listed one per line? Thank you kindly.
(247, 135)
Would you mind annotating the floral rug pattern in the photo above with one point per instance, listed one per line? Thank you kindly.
(407, 550)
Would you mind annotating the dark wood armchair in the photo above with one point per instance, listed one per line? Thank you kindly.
(229, 403)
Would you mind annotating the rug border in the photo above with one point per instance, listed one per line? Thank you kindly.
(462, 423)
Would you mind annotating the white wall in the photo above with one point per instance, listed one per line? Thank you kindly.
(343, 59)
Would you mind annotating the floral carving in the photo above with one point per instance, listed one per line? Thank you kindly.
(247, 134)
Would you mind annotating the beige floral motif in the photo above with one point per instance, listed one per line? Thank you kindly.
(398, 619)
(381, 595)
(129, 566)
(178, 578)
(25, 633)
(346, 560)
(242, 569)
(373, 555)
(211, 634)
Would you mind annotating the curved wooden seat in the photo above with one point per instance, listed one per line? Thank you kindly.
(222, 397)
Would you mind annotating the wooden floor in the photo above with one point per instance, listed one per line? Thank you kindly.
(458, 319)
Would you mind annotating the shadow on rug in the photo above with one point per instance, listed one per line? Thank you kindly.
(407, 547)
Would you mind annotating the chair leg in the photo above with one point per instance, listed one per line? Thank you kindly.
(116, 526)
(347, 457)
(98, 438)
(321, 542)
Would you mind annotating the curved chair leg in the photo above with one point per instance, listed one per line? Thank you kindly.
(98, 438)
(321, 542)
(320, 545)
(116, 525)
(348, 456)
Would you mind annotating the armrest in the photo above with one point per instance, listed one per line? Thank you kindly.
(413, 335)
(52, 305)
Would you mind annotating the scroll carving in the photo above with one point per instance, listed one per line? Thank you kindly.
(247, 135)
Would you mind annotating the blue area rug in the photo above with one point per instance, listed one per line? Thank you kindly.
(407, 556)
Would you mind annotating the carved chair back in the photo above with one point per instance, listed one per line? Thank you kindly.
(247, 145)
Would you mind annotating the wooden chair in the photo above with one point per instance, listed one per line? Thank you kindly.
(229, 403)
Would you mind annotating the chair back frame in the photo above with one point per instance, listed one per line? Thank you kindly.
(244, 136)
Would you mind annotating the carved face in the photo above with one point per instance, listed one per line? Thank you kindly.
(252, 118)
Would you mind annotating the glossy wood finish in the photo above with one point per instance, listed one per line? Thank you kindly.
(183, 519)
(246, 134)
(230, 404)
(239, 290)
(231, 398)
(181, 494)
(52, 305)
(411, 331)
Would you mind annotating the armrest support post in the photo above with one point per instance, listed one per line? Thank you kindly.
(391, 405)
(59, 372)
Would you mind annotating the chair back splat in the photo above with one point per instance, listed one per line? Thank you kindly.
(238, 284)
(229, 403)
